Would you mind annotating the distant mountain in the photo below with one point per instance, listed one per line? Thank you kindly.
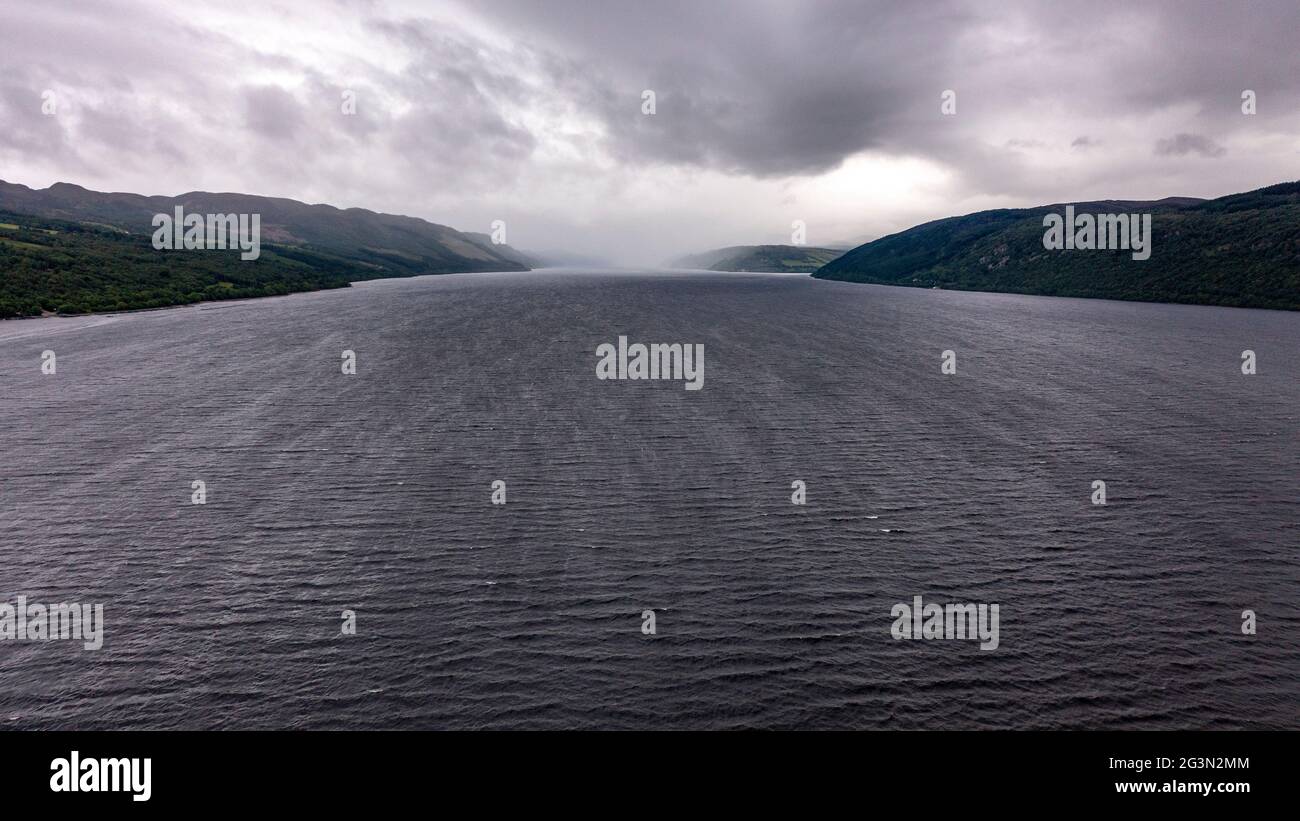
(66, 249)
(799, 259)
(1241, 250)
(400, 246)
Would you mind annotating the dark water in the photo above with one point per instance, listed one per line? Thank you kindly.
(371, 492)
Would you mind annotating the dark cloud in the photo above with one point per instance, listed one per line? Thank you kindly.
(463, 95)
(271, 111)
(1182, 144)
(775, 89)
(761, 89)
(466, 110)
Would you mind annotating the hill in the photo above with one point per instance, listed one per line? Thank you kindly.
(69, 249)
(405, 244)
(1240, 250)
(799, 259)
(56, 266)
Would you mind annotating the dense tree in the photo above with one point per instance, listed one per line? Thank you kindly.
(71, 268)
(1241, 250)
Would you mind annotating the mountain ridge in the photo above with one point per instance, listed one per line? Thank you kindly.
(67, 249)
(1238, 250)
(406, 245)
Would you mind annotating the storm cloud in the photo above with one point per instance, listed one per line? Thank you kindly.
(765, 112)
(1181, 145)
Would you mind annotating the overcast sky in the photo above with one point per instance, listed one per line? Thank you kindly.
(766, 112)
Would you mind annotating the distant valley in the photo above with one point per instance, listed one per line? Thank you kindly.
(69, 250)
(789, 259)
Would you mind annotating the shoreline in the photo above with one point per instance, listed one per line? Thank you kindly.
(641, 271)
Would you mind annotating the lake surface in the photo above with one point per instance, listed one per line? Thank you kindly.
(372, 493)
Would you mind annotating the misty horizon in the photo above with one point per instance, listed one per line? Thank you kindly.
(562, 255)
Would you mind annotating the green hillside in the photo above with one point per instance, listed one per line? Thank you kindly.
(67, 249)
(67, 267)
(1241, 250)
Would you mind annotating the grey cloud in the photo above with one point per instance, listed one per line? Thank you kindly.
(271, 112)
(791, 89)
(462, 93)
(469, 108)
(775, 89)
(1182, 144)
